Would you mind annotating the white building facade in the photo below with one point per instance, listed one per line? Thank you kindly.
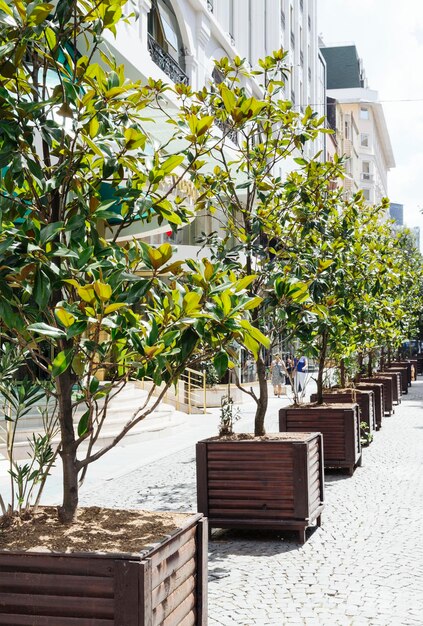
(178, 40)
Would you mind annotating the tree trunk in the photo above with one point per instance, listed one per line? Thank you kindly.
(360, 367)
(262, 399)
(370, 365)
(382, 359)
(322, 360)
(68, 449)
(343, 374)
(389, 356)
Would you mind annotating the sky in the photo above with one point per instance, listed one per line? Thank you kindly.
(389, 38)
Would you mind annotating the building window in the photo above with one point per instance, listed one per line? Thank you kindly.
(165, 41)
(283, 19)
(366, 194)
(364, 113)
(293, 97)
(347, 129)
(365, 140)
(210, 5)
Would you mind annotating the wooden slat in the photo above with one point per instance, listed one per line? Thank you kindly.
(169, 566)
(51, 564)
(9, 619)
(171, 603)
(173, 581)
(179, 614)
(189, 620)
(51, 584)
(58, 606)
(172, 546)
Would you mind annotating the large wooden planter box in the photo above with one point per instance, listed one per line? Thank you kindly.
(406, 364)
(163, 586)
(365, 398)
(378, 391)
(274, 483)
(388, 393)
(339, 425)
(403, 372)
(396, 384)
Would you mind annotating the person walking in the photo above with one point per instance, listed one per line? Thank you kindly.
(300, 373)
(277, 372)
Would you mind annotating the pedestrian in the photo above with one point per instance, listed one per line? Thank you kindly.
(300, 373)
(277, 371)
(289, 365)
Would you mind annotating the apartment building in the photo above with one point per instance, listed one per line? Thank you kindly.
(178, 40)
(357, 116)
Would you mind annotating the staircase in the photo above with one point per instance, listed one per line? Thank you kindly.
(120, 410)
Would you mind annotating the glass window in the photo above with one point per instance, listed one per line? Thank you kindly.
(364, 113)
(366, 194)
(365, 140)
(366, 167)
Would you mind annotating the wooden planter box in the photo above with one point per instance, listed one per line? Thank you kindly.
(274, 483)
(377, 389)
(388, 393)
(403, 372)
(406, 364)
(339, 425)
(365, 398)
(396, 384)
(164, 585)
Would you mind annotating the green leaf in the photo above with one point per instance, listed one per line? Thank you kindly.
(48, 331)
(221, 362)
(191, 302)
(61, 362)
(83, 424)
(171, 163)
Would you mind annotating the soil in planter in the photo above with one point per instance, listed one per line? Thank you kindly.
(95, 530)
(269, 437)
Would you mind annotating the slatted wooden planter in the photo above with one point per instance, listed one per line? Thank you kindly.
(339, 425)
(377, 389)
(403, 372)
(162, 586)
(406, 364)
(388, 393)
(364, 398)
(260, 483)
(396, 384)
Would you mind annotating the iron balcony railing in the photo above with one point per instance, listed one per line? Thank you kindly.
(166, 63)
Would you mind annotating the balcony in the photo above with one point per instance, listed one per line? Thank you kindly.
(166, 62)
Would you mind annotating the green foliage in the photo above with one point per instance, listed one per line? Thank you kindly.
(228, 416)
(78, 168)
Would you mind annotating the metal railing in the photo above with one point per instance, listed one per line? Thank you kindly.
(188, 395)
(166, 62)
(192, 387)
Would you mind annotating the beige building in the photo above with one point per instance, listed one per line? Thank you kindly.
(361, 132)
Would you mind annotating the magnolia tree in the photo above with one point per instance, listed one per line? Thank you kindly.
(73, 301)
(258, 212)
